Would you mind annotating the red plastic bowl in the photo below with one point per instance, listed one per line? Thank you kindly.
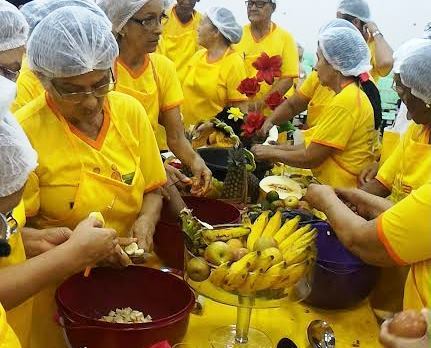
(169, 240)
(81, 301)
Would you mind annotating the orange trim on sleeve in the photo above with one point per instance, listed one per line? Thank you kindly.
(386, 244)
(383, 182)
(171, 106)
(326, 143)
(155, 186)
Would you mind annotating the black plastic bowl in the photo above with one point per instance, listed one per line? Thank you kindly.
(340, 279)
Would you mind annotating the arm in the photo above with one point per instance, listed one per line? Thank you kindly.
(181, 147)
(384, 53)
(37, 242)
(376, 188)
(310, 157)
(86, 246)
(282, 85)
(357, 234)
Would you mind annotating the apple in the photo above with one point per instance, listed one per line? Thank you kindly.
(198, 270)
(240, 253)
(264, 243)
(235, 244)
(291, 202)
(218, 253)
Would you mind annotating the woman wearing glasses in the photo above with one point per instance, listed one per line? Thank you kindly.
(97, 152)
(263, 35)
(151, 78)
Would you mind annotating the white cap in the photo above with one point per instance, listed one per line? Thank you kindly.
(225, 22)
(71, 41)
(355, 8)
(405, 50)
(346, 50)
(17, 156)
(337, 23)
(13, 27)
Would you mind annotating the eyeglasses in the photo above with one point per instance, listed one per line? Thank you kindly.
(8, 225)
(9, 73)
(258, 4)
(151, 22)
(78, 97)
(400, 90)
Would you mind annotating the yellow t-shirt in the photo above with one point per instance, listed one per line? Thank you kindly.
(179, 42)
(125, 141)
(319, 96)
(405, 231)
(8, 338)
(19, 317)
(409, 165)
(347, 125)
(209, 87)
(277, 42)
(155, 85)
(28, 87)
(375, 73)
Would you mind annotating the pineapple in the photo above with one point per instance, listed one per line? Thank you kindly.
(253, 188)
(235, 184)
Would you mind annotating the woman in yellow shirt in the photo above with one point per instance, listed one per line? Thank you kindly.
(179, 40)
(97, 150)
(215, 72)
(342, 142)
(151, 78)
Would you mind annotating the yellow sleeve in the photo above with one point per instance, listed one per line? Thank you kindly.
(28, 89)
(335, 128)
(31, 195)
(406, 237)
(171, 93)
(309, 86)
(235, 74)
(151, 163)
(290, 57)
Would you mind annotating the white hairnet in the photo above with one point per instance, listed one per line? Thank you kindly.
(427, 31)
(36, 10)
(415, 72)
(346, 51)
(405, 50)
(225, 22)
(18, 159)
(355, 8)
(120, 11)
(71, 41)
(13, 27)
(337, 23)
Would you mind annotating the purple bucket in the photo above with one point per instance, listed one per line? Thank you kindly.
(340, 280)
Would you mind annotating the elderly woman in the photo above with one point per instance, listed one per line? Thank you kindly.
(215, 72)
(382, 234)
(97, 150)
(342, 142)
(151, 78)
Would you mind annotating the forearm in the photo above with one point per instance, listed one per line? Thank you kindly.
(384, 56)
(299, 158)
(22, 281)
(151, 207)
(376, 188)
(282, 85)
(284, 113)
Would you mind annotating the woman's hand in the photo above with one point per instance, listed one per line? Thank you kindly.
(266, 127)
(37, 242)
(390, 341)
(201, 180)
(320, 196)
(263, 152)
(368, 174)
(143, 230)
(175, 177)
(119, 259)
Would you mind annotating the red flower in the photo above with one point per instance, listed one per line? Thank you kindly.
(274, 100)
(249, 86)
(268, 68)
(253, 123)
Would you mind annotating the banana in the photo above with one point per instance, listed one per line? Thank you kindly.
(217, 275)
(294, 237)
(224, 234)
(273, 225)
(270, 277)
(299, 255)
(247, 288)
(269, 257)
(98, 216)
(257, 229)
(306, 240)
(293, 273)
(288, 228)
(238, 270)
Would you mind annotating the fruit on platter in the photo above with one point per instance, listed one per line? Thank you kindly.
(282, 185)
(214, 133)
(276, 257)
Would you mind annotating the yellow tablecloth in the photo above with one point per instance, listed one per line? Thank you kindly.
(350, 326)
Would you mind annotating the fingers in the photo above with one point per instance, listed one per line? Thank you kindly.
(386, 338)
(126, 241)
(91, 222)
(122, 257)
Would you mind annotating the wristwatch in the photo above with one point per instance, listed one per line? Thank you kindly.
(377, 32)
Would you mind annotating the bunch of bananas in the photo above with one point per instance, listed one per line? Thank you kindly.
(280, 255)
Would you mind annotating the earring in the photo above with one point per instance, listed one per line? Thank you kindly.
(428, 106)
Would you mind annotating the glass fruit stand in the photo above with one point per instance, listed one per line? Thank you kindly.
(270, 275)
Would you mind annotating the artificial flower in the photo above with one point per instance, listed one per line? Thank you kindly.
(274, 100)
(249, 86)
(235, 114)
(253, 122)
(268, 68)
